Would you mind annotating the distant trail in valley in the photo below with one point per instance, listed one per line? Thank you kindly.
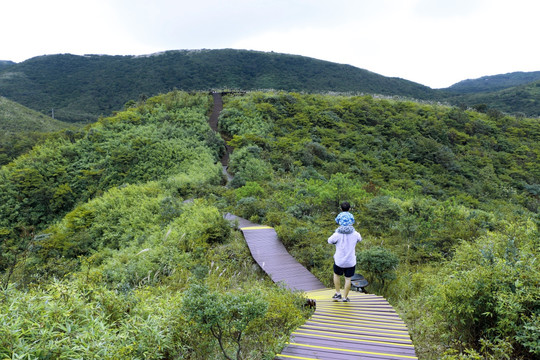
(216, 110)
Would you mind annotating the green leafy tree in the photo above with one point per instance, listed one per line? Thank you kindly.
(225, 316)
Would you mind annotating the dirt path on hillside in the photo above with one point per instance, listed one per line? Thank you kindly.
(216, 110)
(213, 121)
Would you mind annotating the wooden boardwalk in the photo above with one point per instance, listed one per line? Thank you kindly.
(365, 328)
(274, 259)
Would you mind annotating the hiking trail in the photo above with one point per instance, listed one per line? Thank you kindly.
(367, 327)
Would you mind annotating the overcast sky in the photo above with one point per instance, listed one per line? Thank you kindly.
(433, 42)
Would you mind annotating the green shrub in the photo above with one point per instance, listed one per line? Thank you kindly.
(249, 323)
(225, 316)
(250, 208)
(529, 335)
(489, 290)
(120, 218)
(247, 165)
(202, 226)
(74, 320)
(378, 263)
(250, 189)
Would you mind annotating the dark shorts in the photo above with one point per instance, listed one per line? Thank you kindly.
(348, 272)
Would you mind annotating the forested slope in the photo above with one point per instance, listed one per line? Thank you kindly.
(522, 100)
(494, 83)
(447, 201)
(81, 88)
(5, 63)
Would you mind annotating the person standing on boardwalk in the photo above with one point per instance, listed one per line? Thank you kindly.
(345, 238)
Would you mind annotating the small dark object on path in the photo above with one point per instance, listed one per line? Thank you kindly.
(311, 303)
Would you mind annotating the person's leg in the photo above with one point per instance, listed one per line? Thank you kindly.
(337, 283)
(348, 272)
(347, 287)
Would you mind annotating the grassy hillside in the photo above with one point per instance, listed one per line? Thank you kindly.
(81, 88)
(451, 195)
(21, 128)
(17, 118)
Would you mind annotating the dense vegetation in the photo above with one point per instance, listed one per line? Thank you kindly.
(101, 257)
(22, 128)
(453, 193)
(522, 100)
(494, 82)
(100, 246)
(81, 88)
(5, 64)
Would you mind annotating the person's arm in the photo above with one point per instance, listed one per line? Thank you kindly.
(333, 239)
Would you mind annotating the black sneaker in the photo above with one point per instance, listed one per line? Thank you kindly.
(336, 297)
(346, 300)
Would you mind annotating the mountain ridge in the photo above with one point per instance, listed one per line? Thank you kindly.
(6, 63)
(80, 88)
(493, 83)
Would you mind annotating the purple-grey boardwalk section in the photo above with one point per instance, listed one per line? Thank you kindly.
(366, 328)
(274, 259)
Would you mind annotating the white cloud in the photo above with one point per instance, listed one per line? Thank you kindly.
(60, 26)
(433, 42)
(447, 9)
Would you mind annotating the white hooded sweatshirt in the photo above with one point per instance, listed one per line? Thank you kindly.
(345, 256)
